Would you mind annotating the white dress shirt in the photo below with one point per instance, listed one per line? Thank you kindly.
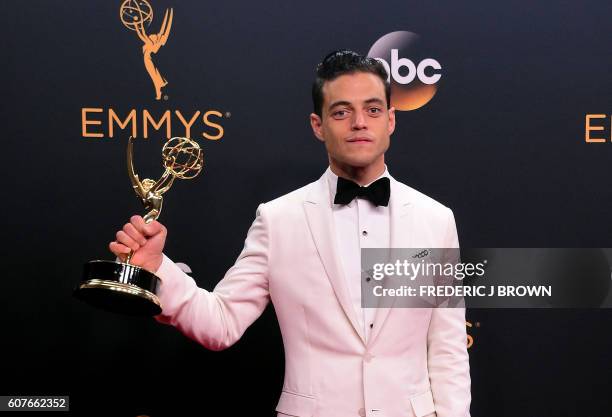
(359, 224)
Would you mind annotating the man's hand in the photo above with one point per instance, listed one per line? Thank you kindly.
(145, 240)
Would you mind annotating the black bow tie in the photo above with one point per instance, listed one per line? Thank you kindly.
(378, 192)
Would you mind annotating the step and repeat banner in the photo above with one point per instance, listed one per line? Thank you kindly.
(503, 114)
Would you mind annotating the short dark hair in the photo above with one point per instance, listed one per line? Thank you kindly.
(343, 62)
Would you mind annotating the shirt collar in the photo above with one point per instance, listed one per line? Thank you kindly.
(332, 182)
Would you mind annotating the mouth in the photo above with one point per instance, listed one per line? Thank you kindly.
(359, 139)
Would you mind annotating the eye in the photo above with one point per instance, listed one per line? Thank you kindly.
(374, 110)
(340, 114)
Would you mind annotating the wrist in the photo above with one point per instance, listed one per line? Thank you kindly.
(153, 265)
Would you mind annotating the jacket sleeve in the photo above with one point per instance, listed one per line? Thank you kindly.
(447, 356)
(219, 318)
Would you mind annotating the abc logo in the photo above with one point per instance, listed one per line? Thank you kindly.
(413, 71)
(414, 75)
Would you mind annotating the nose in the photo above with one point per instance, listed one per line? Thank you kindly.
(358, 121)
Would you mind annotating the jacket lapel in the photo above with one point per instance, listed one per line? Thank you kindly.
(320, 220)
(400, 237)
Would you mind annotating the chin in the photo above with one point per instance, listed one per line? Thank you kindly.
(360, 162)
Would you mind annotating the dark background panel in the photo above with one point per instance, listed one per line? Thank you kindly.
(501, 143)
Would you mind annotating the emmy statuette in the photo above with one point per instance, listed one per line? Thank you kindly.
(124, 288)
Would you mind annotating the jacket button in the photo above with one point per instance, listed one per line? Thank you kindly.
(361, 412)
(368, 357)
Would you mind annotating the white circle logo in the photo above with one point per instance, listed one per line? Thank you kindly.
(414, 75)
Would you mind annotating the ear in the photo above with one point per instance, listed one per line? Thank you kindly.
(391, 127)
(315, 123)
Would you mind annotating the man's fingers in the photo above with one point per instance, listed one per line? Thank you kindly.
(118, 249)
(123, 238)
(154, 228)
(131, 231)
(147, 230)
(138, 223)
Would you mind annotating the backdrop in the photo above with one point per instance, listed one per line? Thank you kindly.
(514, 135)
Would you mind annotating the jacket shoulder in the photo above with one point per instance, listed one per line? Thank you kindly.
(290, 201)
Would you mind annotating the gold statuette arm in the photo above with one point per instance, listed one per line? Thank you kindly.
(163, 184)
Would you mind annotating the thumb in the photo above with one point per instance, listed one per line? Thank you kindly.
(153, 228)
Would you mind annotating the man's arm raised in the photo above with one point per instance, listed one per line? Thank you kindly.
(216, 319)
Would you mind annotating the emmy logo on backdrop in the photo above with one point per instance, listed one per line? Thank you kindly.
(122, 287)
(134, 15)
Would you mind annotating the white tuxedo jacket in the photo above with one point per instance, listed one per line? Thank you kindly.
(415, 363)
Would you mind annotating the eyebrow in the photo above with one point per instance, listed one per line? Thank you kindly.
(346, 103)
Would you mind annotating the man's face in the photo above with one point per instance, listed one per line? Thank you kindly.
(355, 124)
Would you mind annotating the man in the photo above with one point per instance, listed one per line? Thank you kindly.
(303, 254)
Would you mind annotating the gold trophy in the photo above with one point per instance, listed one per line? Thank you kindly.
(121, 287)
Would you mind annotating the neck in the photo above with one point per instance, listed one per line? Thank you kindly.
(361, 175)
